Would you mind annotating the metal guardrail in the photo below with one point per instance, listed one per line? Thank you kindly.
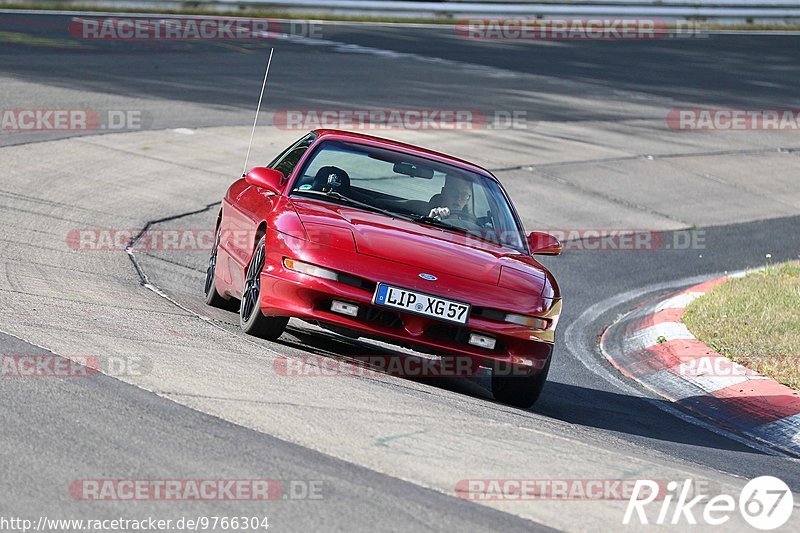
(719, 10)
(672, 9)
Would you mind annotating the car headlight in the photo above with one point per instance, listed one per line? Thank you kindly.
(528, 321)
(309, 269)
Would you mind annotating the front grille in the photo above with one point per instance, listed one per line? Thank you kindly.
(380, 316)
(488, 314)
(358, 283)
(447, 332)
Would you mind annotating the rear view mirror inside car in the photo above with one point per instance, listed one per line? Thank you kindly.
(414, 171)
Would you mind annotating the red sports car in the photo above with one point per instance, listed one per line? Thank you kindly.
(384, 240)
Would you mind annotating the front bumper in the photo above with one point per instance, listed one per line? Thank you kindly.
(286, 292)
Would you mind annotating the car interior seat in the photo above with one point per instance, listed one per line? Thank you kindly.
(332, 179)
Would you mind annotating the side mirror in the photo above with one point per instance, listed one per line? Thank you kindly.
(266, 178)
(542, 243)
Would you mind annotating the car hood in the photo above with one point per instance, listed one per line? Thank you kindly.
(431, 249)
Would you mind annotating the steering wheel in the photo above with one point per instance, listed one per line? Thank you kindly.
(463, 219)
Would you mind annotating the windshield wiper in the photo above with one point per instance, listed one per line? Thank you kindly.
(433, 221)
(367, 207)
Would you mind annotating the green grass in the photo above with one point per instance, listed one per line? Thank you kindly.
(754, 321)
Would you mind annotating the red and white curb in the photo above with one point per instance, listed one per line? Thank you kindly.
(652, 346)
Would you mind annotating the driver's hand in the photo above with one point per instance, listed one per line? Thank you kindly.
(439, 212)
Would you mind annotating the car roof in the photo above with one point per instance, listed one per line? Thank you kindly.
(403, 147)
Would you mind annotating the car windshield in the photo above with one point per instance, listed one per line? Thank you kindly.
(410, 187)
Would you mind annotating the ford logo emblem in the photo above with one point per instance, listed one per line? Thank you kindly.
(428, 277)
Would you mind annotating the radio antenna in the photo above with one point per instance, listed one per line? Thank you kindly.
(258, 110)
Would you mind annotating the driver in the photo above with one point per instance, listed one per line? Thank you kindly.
(454, 199)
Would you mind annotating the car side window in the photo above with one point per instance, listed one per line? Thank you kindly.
(289, 159)
(480, 203)
(287, 164)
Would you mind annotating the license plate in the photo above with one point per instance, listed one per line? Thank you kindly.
(421, 304)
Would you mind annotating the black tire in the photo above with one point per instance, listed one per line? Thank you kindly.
(213, 298)
(519, 391)
(251, 319)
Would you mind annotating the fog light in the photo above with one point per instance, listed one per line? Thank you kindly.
(482, 341)
(344, 308)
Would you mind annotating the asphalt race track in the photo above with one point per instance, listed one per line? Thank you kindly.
(594, 152)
